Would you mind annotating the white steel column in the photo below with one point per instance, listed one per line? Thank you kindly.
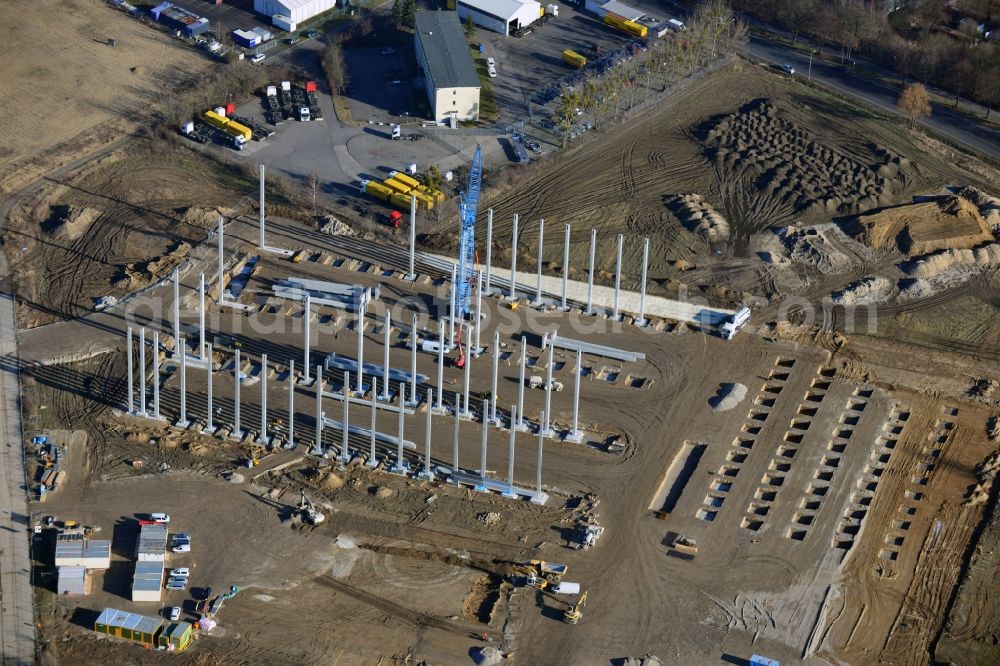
(156, 374)
(400, 463)
(468, 374)
(641, 321)
(131, 380)
(345, 432)
(493, 385)
(209, 428)
(362, 308)
(479, 313)
(547, 427)
(290, 444)
(510, 458)
(413, 364)
(565, 284)
(538, 267)
(177, 309)
(385, 356)
(482, 450)
(371, 442)
(440, 368)
(451, 305)
(520, 388)
(618, 276)
(142, 372)
(237, 432)
(305, 344)
(575, 435)
(427, 436)
(489, 250)
(262, 437)
(201, 317)
(260, 240)
(182, 421)
(513, 262)
(538, 464)
(590, 273)
(412, 275)
(454, 439)
(221, 253)
(318, 445)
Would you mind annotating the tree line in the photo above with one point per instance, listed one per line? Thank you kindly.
(921, 40)
(713, 31)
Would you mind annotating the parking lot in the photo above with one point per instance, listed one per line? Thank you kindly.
(230, 15)
(382, 84)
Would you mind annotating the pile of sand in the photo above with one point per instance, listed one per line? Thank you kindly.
(927, 226)
(74, 222)
(965, 260)
(490, 519)
(727, 396)
(384, 492)
(813, 246)
(986, 474)
(989, 207)
(700, 217)
(333, 481)
(869, 289)
(335, 227)
(203, 217)
(790, 165)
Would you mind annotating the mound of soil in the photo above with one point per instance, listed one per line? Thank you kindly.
(727, 397)
(947, 222)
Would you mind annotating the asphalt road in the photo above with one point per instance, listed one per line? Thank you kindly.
(958, 126)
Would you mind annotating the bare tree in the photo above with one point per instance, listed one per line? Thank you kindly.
(796, 15)
(915, 102)
(988, 87)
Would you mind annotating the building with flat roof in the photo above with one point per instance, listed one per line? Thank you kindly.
(295, 10)
(500, 15)
(147, 583)
(152, 543)
(83, 553)
(72, 580)
(445, 59)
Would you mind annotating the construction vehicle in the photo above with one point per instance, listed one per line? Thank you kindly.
(729, 327)
(308, 510)
(574, 613)
(468, 202)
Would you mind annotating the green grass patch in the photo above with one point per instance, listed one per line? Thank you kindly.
(488, 109)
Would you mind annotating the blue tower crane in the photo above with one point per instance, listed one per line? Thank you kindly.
(468, 202)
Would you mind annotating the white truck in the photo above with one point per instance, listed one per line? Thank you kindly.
(729, 327)
(304, 114)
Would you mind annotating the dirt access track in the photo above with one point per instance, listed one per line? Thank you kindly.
(64, 90)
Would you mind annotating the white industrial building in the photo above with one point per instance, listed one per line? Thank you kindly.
(293, 11)
(446, 62)
(84, 553)
(147, 583)
(604, 7)
(72, 580)
(500, 15)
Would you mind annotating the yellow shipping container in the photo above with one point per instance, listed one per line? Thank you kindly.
(378, 190)
(407, 180)
(215, 120)
(397, 186)
(635, 29)
(235, 129)
(573, 58)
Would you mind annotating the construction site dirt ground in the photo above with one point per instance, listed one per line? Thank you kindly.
(828, 504)
(65, 90)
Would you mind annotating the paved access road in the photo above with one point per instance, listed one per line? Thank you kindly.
(17, 628)
(968, 131)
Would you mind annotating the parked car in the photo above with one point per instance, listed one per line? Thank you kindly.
(492, 71)
(490, 62)
(181, 548)
(182, 536)
(174, 585)
(161, 518)
(258, 58)
(174, 613)
(788, 69)
(181, 572)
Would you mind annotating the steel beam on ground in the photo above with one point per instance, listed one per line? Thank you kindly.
(595, 349)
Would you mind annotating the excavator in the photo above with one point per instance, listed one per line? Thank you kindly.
(574, 613)
(308, 510)
(540, 574)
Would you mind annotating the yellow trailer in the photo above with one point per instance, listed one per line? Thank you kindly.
(397, 186)
(407, 180)
(574, 59)
(215, 120)
(634, 29)
(378, 190)
(233, 128)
